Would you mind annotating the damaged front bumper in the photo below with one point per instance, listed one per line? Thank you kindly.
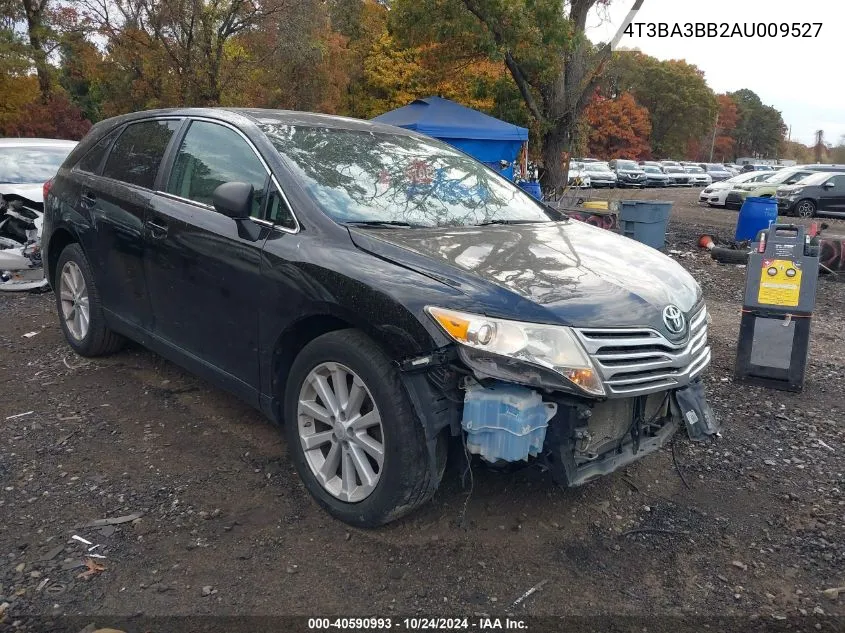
(584, 442)
(21, 267)
(584, 439)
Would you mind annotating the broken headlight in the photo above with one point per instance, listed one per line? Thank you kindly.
(547, 353)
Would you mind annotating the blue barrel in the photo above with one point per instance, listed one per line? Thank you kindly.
(533, 188)
(755, 215)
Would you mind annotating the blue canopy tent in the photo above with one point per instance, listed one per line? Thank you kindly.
(485, 138)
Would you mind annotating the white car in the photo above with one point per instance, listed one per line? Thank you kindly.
(578, 176)
(698, 176)
(715, 194)
(25, 165)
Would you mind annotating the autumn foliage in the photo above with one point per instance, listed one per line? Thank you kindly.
(67, 64)
(618, 127)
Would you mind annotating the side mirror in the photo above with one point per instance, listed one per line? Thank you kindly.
(829, 184)
(234, 199)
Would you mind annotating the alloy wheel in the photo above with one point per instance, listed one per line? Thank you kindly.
(341, 432)
(805, 209)
(74, 298)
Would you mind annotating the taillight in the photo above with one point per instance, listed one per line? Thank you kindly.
(46, 189)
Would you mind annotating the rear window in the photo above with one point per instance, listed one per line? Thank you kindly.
(30, 165)
(137, 153)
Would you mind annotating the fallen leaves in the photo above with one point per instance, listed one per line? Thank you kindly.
(93, 568)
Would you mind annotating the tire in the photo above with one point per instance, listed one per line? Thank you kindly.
(96, 339)
(404, 478)
(729, 255)
(805, 208)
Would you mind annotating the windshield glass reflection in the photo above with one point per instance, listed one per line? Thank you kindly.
(358, 176)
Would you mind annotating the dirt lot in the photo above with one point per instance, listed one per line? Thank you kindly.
(228, 529)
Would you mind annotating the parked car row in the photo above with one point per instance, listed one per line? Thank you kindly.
(801, 190)
(621, 172)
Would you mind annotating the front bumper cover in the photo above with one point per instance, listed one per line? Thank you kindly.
(640, 437)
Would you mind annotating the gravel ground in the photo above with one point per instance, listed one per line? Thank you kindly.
(214, 520)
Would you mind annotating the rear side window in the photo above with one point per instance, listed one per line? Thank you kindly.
(94, 158)
(137, 153)
(210, 155)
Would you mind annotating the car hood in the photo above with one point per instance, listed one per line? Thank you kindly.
(33, 192)
(721, 184)
(558, 272)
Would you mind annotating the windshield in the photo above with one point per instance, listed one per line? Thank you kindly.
(786, 177)
(716, 167)
(601, 167)
(358, 176)
(652, 170)
(749, 176)
(30, 165)
(626, 164)
(815, 179)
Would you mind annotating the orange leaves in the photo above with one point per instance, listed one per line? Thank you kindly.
(619, 128)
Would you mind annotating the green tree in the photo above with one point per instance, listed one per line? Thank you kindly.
(682, 107)
(541, 43)
(760, 128)
(80, 74)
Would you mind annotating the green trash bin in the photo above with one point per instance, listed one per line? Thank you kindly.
(645, 221)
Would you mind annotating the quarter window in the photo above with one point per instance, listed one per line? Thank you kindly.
(93, 159)
(210, 155)
(278, 211)
(137, 153)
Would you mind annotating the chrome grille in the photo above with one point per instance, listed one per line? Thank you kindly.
(638, 361)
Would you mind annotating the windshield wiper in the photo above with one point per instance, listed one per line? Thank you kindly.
(500, 221)
(385, 223)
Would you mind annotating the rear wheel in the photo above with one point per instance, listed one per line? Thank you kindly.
(805, 209)
(352, 433)
(79, 306)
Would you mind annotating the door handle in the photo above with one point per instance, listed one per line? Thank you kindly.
(158, 230)
(89, 198)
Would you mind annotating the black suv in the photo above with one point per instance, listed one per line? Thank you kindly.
(819, 194)
(377, 290)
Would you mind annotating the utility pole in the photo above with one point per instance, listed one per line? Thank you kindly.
(713, 141)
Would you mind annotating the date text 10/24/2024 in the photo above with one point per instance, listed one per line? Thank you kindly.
(480, 624)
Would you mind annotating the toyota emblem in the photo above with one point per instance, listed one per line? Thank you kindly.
(674, 319)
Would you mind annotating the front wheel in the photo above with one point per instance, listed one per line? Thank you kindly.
(352, 433)
(805, 209)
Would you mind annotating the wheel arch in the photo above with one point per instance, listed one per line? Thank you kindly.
(59, 240)
(394, 341)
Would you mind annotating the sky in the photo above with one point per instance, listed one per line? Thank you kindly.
(801, 77)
